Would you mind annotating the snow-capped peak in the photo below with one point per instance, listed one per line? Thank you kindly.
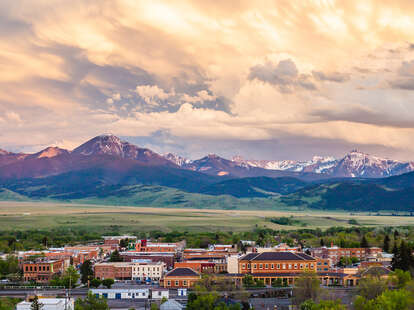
(177, 159)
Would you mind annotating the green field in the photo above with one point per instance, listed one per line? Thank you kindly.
(32, 215)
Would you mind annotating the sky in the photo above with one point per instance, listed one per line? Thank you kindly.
(263, 79)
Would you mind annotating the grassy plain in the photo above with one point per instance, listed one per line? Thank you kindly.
(42, 215)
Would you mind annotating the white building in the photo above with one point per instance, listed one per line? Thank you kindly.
(160, 293)
(49, 304)
(115, 293)
(233, 264)
(144, 269)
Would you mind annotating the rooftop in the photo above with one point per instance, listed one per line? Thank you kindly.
(182, 272)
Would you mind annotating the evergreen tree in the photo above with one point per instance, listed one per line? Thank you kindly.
(364, 242)
(36, 305)
(115, 257)
(86, 271)
(386, 246)
(322, 242)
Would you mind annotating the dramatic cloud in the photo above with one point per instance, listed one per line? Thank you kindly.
(295, 78)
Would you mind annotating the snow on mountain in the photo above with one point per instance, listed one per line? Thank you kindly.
(111, 145)
(359, 164)
(318, 164)
(177, 159)
(353, 164)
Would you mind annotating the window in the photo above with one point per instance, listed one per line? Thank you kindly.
(301, 266)
(248, 266)
(168, 283)
(283, 266)
(311, 266)
(27, 268)
(254, 266)
(244, 266)
(176, 283)
(267, 266)
(260, 266)
(278, 266)
(272, 266)
(184, 282)
(296, 266)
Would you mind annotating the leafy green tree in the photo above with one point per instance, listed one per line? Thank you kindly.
(154, 306)
(371, 287)
(108, 282)
(388, 300)
(307, 286)
(400, 278)
(95, 282)
(322, 305)
(8, 303)
(36, 305)
(163, 300)
(91, 302)
(70, 277)
(202, 302)
(86, 271)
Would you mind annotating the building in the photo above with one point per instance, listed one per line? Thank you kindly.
(160, 293)
(323, 265)
(121, 293)
(276, 262)
(117, 271)
(197, 266)
(167, 258)
(282, 247)
(146, 270)
(49, 304)
(180, 278)
(147, 246)
(269, 266)
(335, 253)
(115, 240)
(42, 270)
(233, 264)
(171, 305)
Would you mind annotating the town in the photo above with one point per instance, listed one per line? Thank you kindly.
(125, 272)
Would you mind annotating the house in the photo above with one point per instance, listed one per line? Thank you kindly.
(171, 305)
(49, 304)
(121, 293)
(180, 278)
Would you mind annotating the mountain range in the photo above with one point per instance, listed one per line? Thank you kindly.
(106, 168)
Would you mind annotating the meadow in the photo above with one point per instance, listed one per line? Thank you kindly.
(16, 216)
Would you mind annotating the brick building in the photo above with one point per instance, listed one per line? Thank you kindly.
(42, 270)
(117, 271)
(167, 258)
(335, 253)
(269, 266)
(147, 246)
(180, 278)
